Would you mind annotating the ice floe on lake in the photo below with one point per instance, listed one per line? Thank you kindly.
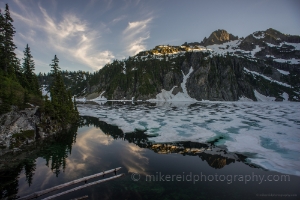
(268, 133)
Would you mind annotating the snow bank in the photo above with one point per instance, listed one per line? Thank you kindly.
(266, 77)
(263, 98)
(100, 98)
(283, 72)
(180, 96)
(45, 92)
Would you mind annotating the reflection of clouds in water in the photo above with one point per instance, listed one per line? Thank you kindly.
(84, 142)
(133, 159)
(88, 145)
(93, 135)
(86, 154)
(90, 154)
(41, 179)
(267, 130)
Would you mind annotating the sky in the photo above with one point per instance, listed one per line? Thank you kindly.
(87, 34)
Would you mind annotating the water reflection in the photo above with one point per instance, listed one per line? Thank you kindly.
(94, 153)
(214, 156)
(54, 150)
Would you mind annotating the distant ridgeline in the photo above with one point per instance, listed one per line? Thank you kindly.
(223, 67)
(75, 82)
(19, 87)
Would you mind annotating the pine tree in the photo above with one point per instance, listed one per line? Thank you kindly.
(61, 99)
(9, 57)
(29, 81)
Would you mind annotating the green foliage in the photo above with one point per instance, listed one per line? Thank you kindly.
(24, 135)
(29, 79)
(8, 60)
(61, 106)
(75, 81)
(11, 93)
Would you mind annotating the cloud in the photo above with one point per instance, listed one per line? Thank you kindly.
(116, 20)
(70, 36)
(135, 35)
(130, 3)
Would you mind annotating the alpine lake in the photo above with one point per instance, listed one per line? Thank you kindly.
(168, 169)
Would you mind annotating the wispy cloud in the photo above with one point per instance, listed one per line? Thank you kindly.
(116, 20)
(128, 3)
(69, 35)
(135, 35)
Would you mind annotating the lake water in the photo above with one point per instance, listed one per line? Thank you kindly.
(164, 156)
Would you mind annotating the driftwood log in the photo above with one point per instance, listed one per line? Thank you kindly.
(83, 186)
(84, 179)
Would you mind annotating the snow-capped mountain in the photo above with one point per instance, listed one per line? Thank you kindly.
(264, 66)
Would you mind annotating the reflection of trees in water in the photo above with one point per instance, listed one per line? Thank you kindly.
(138, 137)
(9, 182)
(113, 131)
(29, 167)
(54, 150)
(59, 149)
(141, 139)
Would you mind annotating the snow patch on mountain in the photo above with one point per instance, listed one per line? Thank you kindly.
(262, 35)
(283, 72)
(263, 98)
(268, 78)
(45, 90)
(124, 68)
(291, 61)
(180, 96)
(285, 96)
(100, 98)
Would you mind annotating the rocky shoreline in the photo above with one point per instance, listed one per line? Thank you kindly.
(22, 127)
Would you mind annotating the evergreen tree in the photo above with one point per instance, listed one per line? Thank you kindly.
(61, 99)
(30, 81)
(8, 55)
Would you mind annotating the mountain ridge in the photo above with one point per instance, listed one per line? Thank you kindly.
(228, 69)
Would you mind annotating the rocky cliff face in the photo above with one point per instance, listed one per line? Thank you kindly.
(20, 127)
(224, 68)
(216, 78)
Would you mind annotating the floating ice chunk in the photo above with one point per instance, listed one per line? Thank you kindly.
(267, 132)
(81, 99)
(244, 99)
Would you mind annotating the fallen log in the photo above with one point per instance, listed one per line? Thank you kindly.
(84, 179)
(83, 186)
(80, 198)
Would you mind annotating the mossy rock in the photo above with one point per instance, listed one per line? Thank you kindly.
(23, 135)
